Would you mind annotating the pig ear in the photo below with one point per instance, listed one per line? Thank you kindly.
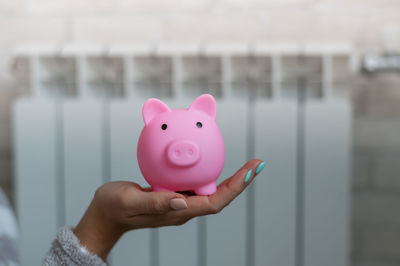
(151, 108)
(205, 103)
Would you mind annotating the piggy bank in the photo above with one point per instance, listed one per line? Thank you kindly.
(181, 149)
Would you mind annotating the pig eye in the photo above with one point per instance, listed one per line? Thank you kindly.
(164, 126)
(199, 124)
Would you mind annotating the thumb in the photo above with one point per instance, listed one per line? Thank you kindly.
(159, 202)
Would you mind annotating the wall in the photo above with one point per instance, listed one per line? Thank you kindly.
(376, 179)
(371, 25)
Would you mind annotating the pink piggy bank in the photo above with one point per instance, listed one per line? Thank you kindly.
(181, 149)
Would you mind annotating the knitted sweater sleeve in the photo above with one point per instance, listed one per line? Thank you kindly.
(8, 233)
(66, 250)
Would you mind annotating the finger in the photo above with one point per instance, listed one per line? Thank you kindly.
(233, 186)
(226, 192)
(144, 202)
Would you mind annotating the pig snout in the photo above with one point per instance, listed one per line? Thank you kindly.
(183, 153)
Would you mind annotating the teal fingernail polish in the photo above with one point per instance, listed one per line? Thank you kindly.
(260, 167)
(248, 175)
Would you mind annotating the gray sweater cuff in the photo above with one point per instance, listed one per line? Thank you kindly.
(66, 250)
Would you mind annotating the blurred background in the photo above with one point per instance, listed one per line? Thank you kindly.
(295, 51)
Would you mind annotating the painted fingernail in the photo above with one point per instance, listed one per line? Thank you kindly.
(178, 204)
(248, 175)
(260, 167)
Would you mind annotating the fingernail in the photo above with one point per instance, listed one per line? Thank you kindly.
(260, 167)
(178, 204)
(248, 175)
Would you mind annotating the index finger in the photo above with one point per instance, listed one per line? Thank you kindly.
(233, 186)
(228, 190)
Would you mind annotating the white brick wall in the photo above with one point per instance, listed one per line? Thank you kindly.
(217, 27)
(377, 133)
(362, 170)
(67, 8)
(380, 244)
(361, 22)
(372, 208)
(116, 29)
(387, 172)
(162, 8)
(5, 117)
(32, 29)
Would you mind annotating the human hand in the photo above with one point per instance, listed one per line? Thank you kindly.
(121, 206)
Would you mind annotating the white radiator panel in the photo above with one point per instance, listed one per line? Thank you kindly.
(83, 155)
(275, 189)
(36, 176)
(327, 187)
(178, 245)
(64, 151)
(275, 131)
(226, 232)
(125, 126)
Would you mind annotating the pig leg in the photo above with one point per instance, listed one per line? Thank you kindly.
(208, 189)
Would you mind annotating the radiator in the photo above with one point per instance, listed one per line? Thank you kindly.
(287, 104)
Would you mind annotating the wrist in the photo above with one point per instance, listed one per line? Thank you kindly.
(97, 232)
